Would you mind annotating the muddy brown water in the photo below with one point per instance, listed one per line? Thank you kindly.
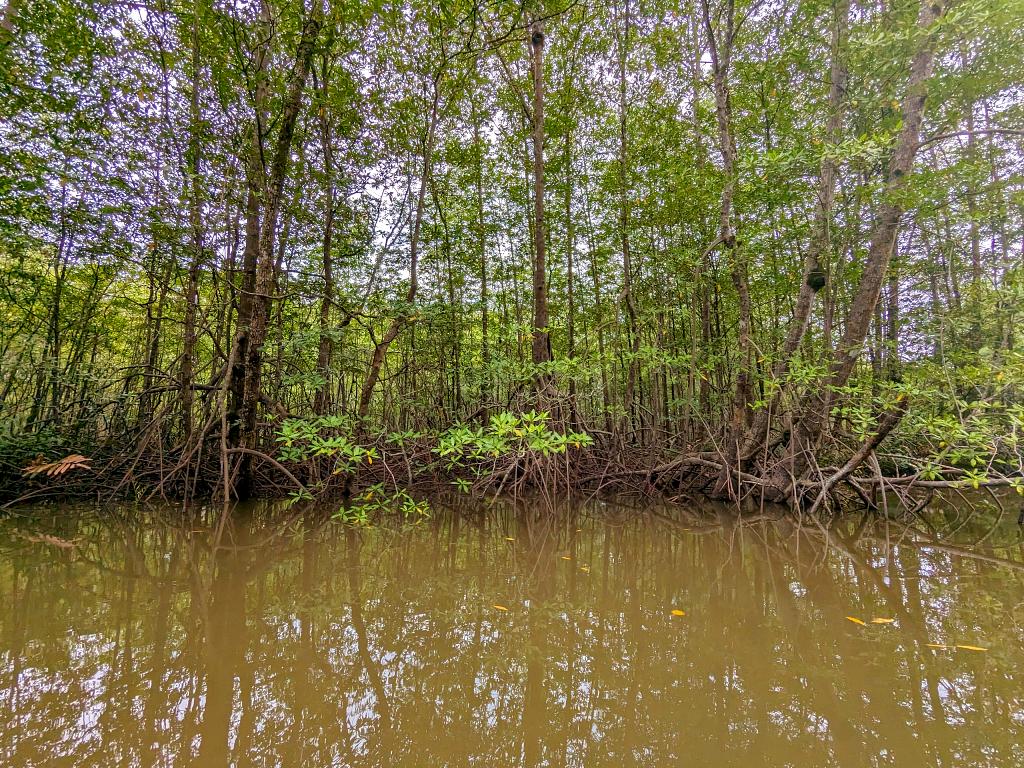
(594, 635)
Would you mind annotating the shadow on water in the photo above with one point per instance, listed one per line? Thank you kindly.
(597, 635)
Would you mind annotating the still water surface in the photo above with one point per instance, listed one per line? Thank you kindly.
(597, 636)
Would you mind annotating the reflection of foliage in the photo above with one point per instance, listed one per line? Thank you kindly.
(343, 626)
(376, 502)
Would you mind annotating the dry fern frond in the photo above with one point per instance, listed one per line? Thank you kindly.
(56, 468)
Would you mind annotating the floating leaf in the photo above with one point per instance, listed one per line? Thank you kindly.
(566, 557)
(971, 648)
(499, 607)
(882, 621)
(677, 612)
(855, 620)
(509, 538)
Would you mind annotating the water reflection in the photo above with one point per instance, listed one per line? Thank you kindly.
(296, 642)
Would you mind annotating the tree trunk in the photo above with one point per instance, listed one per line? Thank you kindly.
(812, 420)
(322, 400)
(481, 233)
(570, 275)
(721, 60)
(541, 336)
(187, 371)
(255, 178)
(813, 278)
(250, 336)
(381, 348)
(622, 40)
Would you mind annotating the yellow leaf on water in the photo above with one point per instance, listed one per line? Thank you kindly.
(882, 621)
(500, 607)
(855, 620)
(566, 557)
(677, 612)
(971, 648)
(509, 538)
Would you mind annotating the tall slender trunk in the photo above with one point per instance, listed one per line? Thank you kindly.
(812, 419)
(570, 274)
(595, 275)
(154, 322)
(60, 267)
(481, 234)
(622, 43)
(814, 277)
(381, 348)
(322, 401)
(250, 337)
(702, 271)
(255, 179)
(972, 192)
(892, 327)
(280, 283)
(187, 370)
(975, 307)
(886, 224)
(721, 61)
(541, 347)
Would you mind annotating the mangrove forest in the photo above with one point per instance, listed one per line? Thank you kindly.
(759, 251)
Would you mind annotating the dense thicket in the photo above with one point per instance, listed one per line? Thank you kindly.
(734, 241)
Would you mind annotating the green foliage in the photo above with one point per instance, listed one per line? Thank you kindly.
(965, 425)
(125, 147)
(506, 435)
(325, 437)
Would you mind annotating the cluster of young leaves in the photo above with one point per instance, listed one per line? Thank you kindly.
(330, 437)
(506, 435)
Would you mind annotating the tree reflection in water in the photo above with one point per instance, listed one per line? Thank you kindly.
(298, 642)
